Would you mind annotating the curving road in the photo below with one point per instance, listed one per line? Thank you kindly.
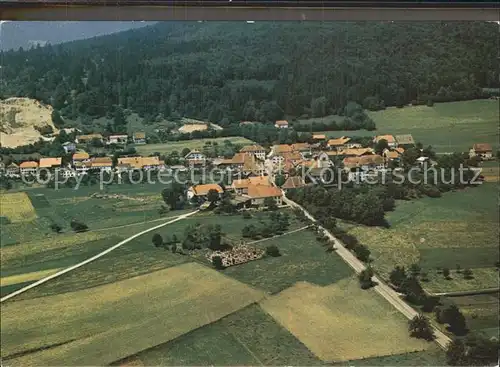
(101, 254)
(381, 288)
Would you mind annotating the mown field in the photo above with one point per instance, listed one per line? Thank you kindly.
(460, 228)
(448, 127)
(342, 322)
(103, 324)
(169, 147)
(248, 337)
(481, 312)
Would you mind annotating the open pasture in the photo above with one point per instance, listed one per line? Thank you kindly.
(302, 259)
(169, 147)
(248, 337)
(481, 312)
(460, 228)
(448, 127)
(101, 325)
(342, 322)
(16, 207)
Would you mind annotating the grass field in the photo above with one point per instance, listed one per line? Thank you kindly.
(481, 312)
(104, 324)
(302, 259)
(432, 356)
(460, 228)
(16, 207)
(248, 337)
(342, 322)
(448, 127)
(169, 147)
(135, 258)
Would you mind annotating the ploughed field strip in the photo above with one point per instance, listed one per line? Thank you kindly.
(103, 324)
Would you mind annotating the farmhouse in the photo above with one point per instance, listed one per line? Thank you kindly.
(366, 163)
(128, 163)
(28, 167)
(82, 167)
(481, 150)
(83, 139)
(241, 186)
(80, 157)
(391, 141)
(50, 162)
(195, 158)
(102, 164)
(259, 151)
(319, 137)
(405, 140)
(339, 143)
(390, 155)
(258, 193)
(117, 139)
(139, 137)
(12, 169)
(293, 182)
(245, 162)
(302, 148)
(201, 191)
(351, 152)
(281, 124)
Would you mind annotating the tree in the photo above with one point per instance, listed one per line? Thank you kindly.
(430, 103)
(57, 119)
(473, 350)
(174, 248)
(249, 231)
(458, 269)
(273, 251)
(212, 195)
(362, 253)
(157, 240)
(365, 278)
(446, 273)
(217, 262)
(56, 227)
(397, 276)
(185, 152)
(430, 303)
(381, 145)
(420, 328)
(413, 290)
(415, 270)
(171, 195)
(270, 203)
(279, 180)
(456, 353)
(453, 317)
(78, 226)
(468, 274)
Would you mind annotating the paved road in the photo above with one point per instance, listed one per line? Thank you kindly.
(101, 254)
(385, 291)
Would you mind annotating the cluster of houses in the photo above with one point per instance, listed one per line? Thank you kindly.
(246, 192)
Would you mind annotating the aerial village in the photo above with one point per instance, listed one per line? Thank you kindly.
(251, 167)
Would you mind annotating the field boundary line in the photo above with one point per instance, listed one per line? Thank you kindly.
(246, 347)
(132, 224)
(93, 258)
(381, 288)
(465, 293)
(277, 236)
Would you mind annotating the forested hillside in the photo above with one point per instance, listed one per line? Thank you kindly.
(227, 71)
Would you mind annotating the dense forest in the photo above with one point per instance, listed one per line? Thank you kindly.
(227, 72)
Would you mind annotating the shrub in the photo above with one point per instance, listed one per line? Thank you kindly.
(246, 215)
(273, 251)
(55, 227)
(365, 278)
(217, 262)
(430, 103)
(157, 240)
(468, 274)
(174, 248)
(78, 226)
